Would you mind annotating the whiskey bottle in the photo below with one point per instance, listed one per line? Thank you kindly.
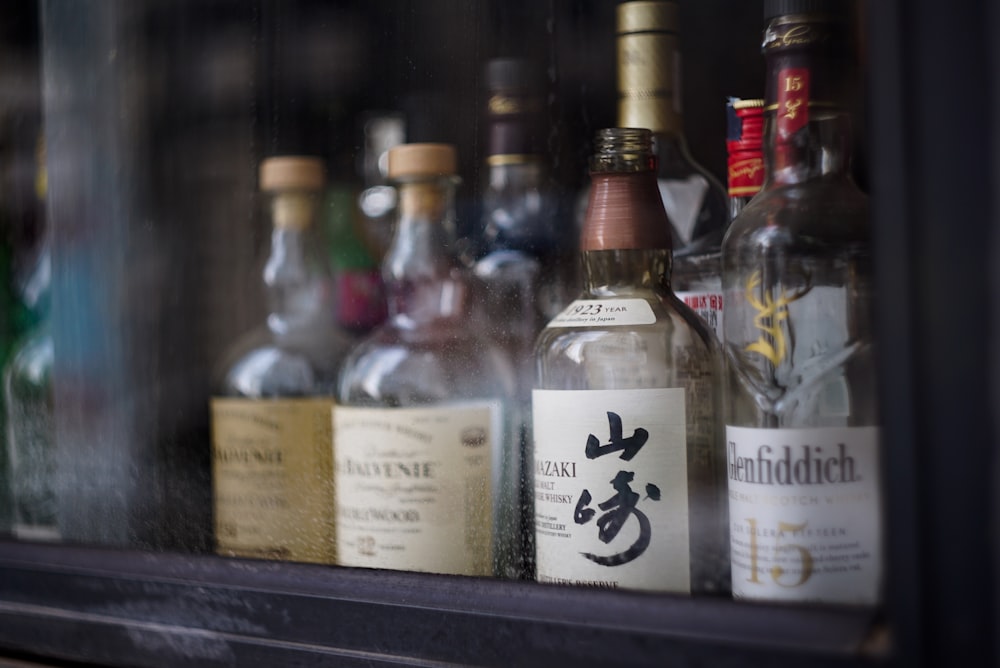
(426, 472)
(272, 424)
(650, 97)
(628, 458)
(526, 258)
(801, 414)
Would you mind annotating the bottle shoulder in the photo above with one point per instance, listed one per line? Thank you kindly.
(661, 353)
(262, 364)
(402, 365)
(813, 213)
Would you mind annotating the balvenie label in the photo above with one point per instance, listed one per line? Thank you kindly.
(272, 474)
(414, 487)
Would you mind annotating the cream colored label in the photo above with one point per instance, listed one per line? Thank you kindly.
(804, 512)
(414, 489)
(610, 487)
(272, 474)
(605, 313)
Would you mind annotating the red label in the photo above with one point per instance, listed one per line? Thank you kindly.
(793, 101)
(746, 173)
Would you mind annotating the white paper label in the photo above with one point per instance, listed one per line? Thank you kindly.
(605, 313)
(706, 304)
(413, 487)
(610, 484)
(805, 516)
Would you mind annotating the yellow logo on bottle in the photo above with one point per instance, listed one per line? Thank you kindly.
(771, 313)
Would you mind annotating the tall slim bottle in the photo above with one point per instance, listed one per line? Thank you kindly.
(649, 96)
(427, 475)
(801, 414)
(271, 425)
(628, 459)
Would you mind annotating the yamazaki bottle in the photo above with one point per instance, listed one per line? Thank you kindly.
(628, 463)
(801, 412)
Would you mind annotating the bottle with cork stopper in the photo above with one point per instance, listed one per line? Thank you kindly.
(427, 396)
(275, 499)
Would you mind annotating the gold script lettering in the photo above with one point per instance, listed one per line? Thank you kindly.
(770, 314)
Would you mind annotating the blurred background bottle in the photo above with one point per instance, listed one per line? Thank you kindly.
(271, 428)
(626, 403)
(378, 198)
(801, 412)
(427, 470)
(649, 97)
(28, 400)
(359, 297)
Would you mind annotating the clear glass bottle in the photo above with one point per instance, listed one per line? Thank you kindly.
(649, 97)
(427, 471)
(626, 404)
(271, 426)
(801, 413)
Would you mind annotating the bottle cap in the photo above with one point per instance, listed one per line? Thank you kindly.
(643, 16)
(415, 160)
(292, 172)
(774, 8)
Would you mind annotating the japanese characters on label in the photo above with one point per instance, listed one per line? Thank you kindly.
(610, 482)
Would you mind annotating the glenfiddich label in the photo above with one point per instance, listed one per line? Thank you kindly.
(610, 488)
(804, 510)
(272, 475)
(414, 487)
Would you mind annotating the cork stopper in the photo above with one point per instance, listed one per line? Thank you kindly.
(292, 172)
(407, 161)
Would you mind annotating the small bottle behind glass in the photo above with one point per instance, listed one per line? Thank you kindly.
(427, 469)
(801, 413)
(271, 423)
(629, 473)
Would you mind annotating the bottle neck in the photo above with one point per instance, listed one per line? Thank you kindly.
(515, 172)
(626, 234)
(806, 130)
(419, 271)
(295, 274)
(819, 150)
(648, 80)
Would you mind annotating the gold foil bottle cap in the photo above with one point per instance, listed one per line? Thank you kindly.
(292, 172)
(647, 61)
(655, 16)
(408, 161)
